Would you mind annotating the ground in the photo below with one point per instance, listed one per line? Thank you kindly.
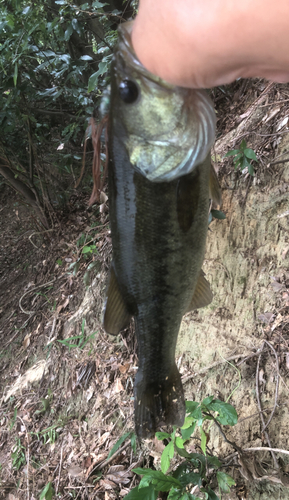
(66, 386)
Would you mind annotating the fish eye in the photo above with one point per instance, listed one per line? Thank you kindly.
(128, 91)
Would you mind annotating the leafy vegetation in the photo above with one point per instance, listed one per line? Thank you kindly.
(193, 471)
(54, 59)
(18, 455)
(243, 157)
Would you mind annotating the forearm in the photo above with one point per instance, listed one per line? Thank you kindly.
(207, 43)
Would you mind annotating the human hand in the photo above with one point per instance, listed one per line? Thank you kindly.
(205, 43)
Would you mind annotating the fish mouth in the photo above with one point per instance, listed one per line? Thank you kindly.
(165, 157)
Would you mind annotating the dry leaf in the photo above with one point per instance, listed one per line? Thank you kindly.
(266, 317)
(124, 368)
(26, 341)
(277, 286)
(34, 374)
(102, 197)
(261, 376)
(75, 471)
(118, 475)
(108, 485)
(62, 306)
(103, 438)
(118, 387)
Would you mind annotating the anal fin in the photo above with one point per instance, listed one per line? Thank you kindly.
(116, 316)
(202, 295)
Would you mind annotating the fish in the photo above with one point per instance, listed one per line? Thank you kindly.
(160, 181)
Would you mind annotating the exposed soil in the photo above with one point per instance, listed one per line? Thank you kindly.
(59, 423)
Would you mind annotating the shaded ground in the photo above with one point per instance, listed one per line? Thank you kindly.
(61, 428)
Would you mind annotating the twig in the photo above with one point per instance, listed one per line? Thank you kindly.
(106, 462)
(266, 448)
(38, 232)
(280, 161)
(260, 407)
(276, 388)
(27, 456)
(234, 445)
(32, 290)
(60, 465)
(263, 411)
(203, 370)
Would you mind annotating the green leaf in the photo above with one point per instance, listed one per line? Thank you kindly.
(166, 457)
(178, 495)
(191, 406)
(207, 400)
(98, 5)
(148, 493)
(47, 492)
(87, 249)
(76, 26)
(250, 154)
(179, 442)
(227, 413)
(211, 494)
(237, 164)
(191, 478)
(15, 74)
(218, 214)
(85, 57)
(186, 433)
(119, 443)
(243, 145)
(157, 478)
(225, 481)
(174, 494)
(233, 152)
(203, 440)
(245, 163)
(92, 82)
(162, 435)
(68, 32)
(183, 453)
(251, 169)
(214, 461)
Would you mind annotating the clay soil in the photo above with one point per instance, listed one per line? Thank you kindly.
(67, 387)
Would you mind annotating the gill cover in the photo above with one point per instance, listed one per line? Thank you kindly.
(180, 134)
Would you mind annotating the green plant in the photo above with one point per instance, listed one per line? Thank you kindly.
(13, 420)
(18, 455)
(129, 434)
(47, 493)
(216, 214)
(79, 341)
(193, 471)
(46, 403)
(243, 157)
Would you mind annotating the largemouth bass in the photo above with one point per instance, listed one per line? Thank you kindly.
(159, 175)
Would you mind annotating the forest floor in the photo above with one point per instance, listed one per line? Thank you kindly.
(66, 411)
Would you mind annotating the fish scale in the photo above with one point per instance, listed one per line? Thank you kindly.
(158, 234)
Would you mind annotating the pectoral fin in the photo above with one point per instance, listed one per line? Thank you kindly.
(116, 316)
(202, 295)
(214, 188)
